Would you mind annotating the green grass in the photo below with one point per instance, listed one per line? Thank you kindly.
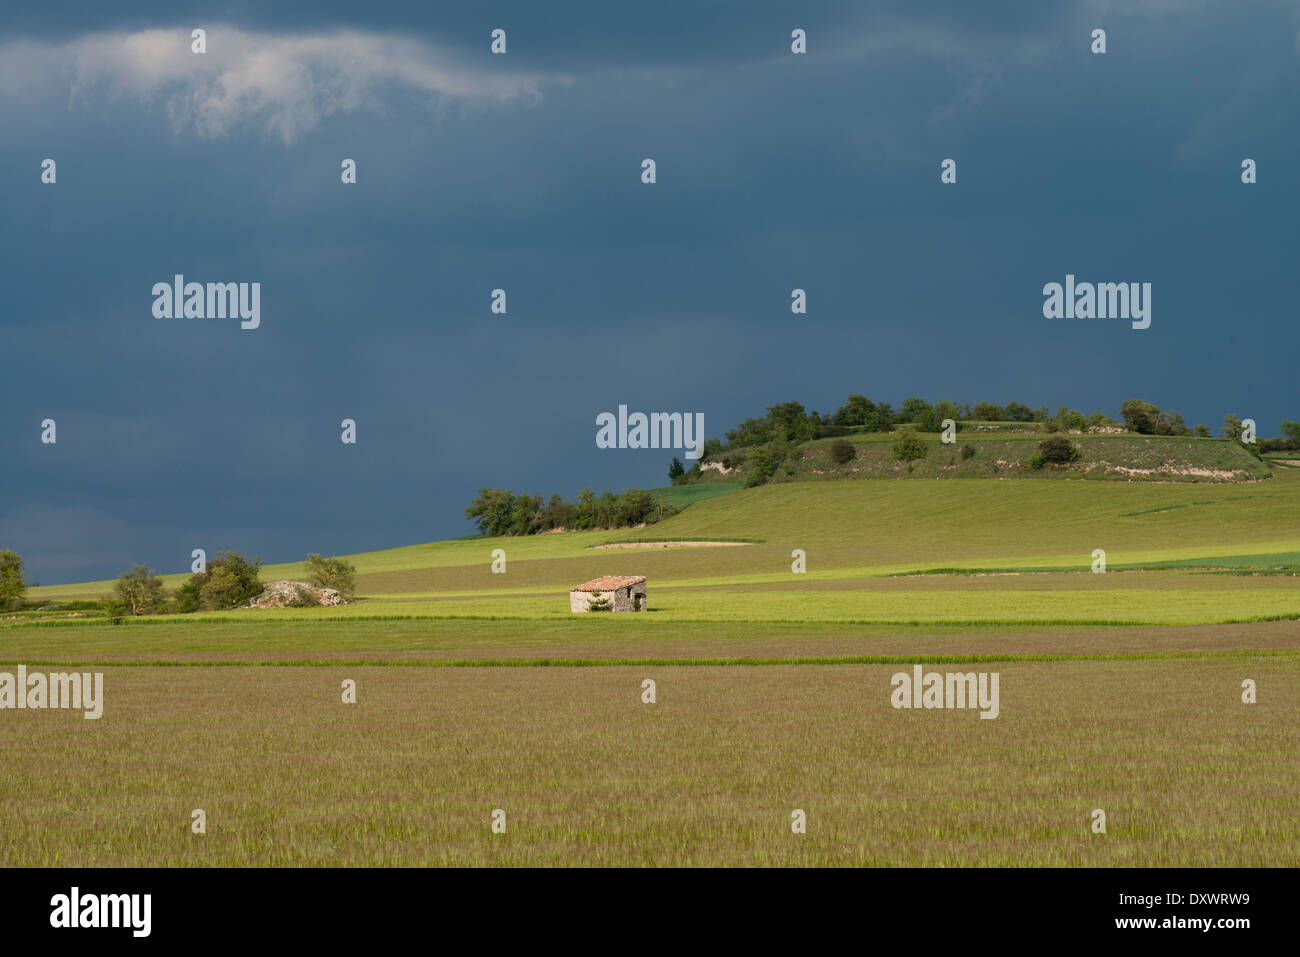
(479, 690)
(684, 495)
(855, 531)
(707, 776)
(1124, 458)
(1277, 563)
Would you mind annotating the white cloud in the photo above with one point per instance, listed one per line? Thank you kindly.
(287, 83)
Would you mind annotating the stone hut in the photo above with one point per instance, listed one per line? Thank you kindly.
(623, 593)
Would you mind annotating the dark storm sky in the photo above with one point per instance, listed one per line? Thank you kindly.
(522, 172)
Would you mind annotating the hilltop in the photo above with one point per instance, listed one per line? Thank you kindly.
(1001, 454)
(866, 439)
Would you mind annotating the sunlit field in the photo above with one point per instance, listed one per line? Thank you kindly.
(478, 691)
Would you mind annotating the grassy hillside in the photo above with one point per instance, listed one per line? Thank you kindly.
(1112, 457)
(856, 535)
(684, 495)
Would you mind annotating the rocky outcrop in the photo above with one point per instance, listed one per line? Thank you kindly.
(287, 594)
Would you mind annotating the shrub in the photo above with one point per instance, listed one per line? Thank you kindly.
(1099, 420)
(842, 452)
(600, 604)
(967, 451)
(1058, 450)
(114, 609)
(734, 458)
(1067, 420)
(302, 598)
(187, 597)
(1036, 461)
(333, 573)
(909, 446)
(764, 462)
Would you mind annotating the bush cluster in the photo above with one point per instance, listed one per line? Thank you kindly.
(909, 446)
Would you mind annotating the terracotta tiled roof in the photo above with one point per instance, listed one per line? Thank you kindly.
(611, 583)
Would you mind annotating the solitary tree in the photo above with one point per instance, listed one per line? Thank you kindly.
(1139, 415)
(140, 590)
(1232, 427)
(229, 580)
(13, 585)
(336, 573)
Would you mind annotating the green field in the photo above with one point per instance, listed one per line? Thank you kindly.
(684, 495)
(479, 691)
(587, 774)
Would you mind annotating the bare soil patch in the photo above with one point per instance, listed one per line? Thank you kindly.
(671, 544)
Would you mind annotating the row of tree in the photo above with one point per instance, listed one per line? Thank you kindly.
(790, 422)
(227, 581)
(501, 512)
